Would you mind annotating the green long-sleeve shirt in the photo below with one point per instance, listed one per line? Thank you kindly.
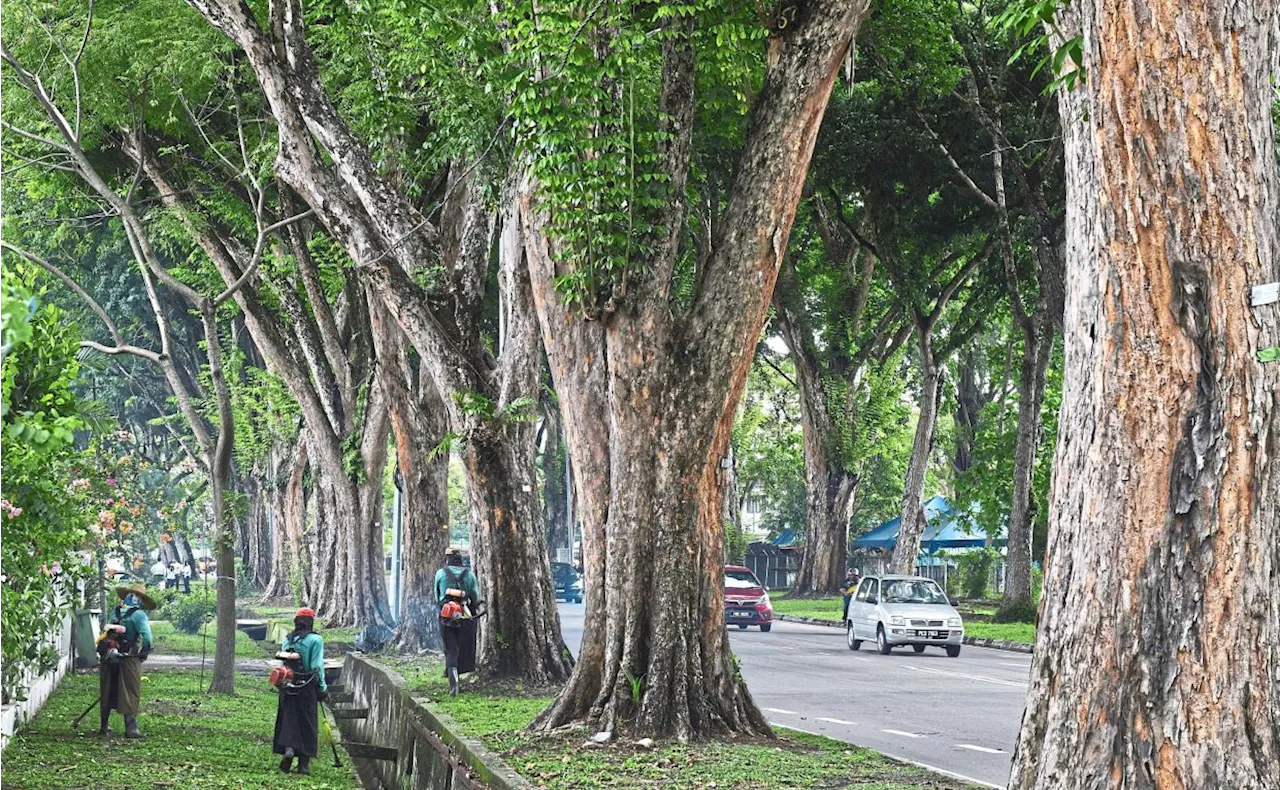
(137, 626)
(468, 579)
(311, 648)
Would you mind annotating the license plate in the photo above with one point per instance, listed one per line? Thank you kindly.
(740, 614)
(931, 634)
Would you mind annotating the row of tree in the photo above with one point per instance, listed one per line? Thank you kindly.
(352, 224)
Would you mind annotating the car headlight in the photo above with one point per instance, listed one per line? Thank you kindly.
(577, 585)
(765, 600)
(895, 620)
(954, 622)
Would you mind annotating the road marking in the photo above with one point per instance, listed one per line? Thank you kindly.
(980, 678)
(942, 771)
(836, 721)
(983, 749)
(903, 734)
(780, 710)
(860, 658)
(796, 729)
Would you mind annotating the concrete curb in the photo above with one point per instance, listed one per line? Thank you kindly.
(976, 641)
(395, 717)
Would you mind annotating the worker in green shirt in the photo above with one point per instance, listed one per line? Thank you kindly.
(458, 594)
(124, 645)
(297, 722)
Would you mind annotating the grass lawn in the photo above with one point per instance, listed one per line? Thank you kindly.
(829, 609)
(821, 608)
(1024, 633)
(193, 740)
(171, 641)
(561, 761)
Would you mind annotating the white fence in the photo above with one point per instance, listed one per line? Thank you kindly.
(14, 715)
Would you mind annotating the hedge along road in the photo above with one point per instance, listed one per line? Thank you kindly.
(959, 716)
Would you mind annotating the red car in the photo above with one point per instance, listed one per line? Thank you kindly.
(745, 600)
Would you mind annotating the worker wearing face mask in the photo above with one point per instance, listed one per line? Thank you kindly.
(125, 644)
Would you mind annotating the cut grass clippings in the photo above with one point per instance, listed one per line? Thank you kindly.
(194, 740)
(794, 761)
(499, 713)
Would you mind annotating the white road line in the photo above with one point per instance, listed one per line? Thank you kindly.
(860, 658)
(836, 721)
(780, 710)
(979, 678)
(903, 734)
(796, 729)
(942, 771)
(983, 749)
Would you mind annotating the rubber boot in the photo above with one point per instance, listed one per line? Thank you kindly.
(286, 762)
(453, 681)
(304, 765)
(131, 727)
(104, 727)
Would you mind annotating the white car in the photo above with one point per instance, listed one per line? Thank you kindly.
(903, 610)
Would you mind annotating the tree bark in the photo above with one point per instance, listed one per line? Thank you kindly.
(554, 488)
(1037, 352)
(969, 403)
(419, 423)
(1159, 634)
(912, 524)
(828, 487)
(648, 400)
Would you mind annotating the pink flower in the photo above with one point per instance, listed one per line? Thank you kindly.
(57, 567)
(111, 481)
(110, 502)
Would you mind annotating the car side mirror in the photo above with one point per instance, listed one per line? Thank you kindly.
(872, 599)
(953, 601)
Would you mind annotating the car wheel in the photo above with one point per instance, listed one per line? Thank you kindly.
(918, 648)
(764, 629)
(849, 639)
(742, 626)
(882, 642)
(953, 650)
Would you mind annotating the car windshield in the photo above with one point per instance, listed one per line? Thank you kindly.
(913, 591)
(739, 580)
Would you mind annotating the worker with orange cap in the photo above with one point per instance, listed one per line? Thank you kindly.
(297, 723)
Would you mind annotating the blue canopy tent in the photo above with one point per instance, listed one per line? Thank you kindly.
(947, 528)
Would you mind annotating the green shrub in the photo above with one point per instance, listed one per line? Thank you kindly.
(189, 612)
(975, 570)
(1024, 612)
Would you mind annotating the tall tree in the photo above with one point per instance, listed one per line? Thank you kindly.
(491, 387)
(63, 150)
(1021, 185)
(1159, 634)
(649, 349)
(837, 316)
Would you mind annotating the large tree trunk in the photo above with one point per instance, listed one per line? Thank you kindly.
(1037, 352)
(912, 524)
(555, 504)
(829, 490)
(419, 423)
(521, 634)
(969, 403)
(1155, 661)
(288, 465)
(829, 496)
(648, 400)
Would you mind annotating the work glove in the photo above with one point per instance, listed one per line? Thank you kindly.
(146, 651)
(322, 696)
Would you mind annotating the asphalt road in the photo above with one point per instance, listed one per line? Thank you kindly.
(959, 716)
